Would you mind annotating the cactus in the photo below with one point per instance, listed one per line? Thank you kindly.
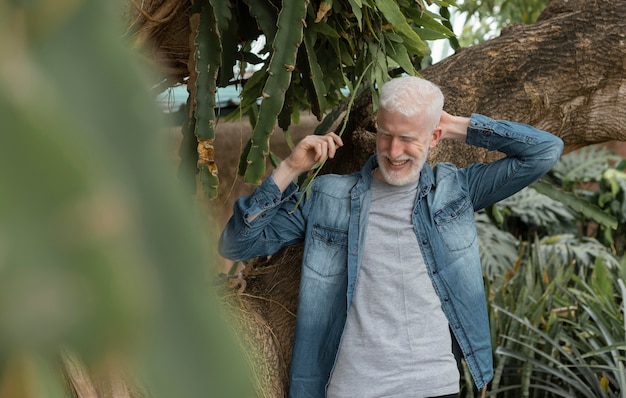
(202, 86)
(282, 64)
(228, 35)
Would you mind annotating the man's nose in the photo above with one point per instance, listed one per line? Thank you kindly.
(395, 148)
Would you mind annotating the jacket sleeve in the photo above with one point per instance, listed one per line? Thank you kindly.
(263, 222)
(530, 153)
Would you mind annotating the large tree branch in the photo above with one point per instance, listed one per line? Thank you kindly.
(565, 74)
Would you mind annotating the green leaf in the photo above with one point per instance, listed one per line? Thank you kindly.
(445, 14)
(325, 29)
(601, 281)
(313, 73)
(249, 94)
(275, 159)
(328, 121)
(429, 22)
(616, 180)
(498, 249)
(583, 250)
(207, 55)
(222, 13)
(399, 54)
(585, 165)
(356, 9)
(587, 209)
(392, 13)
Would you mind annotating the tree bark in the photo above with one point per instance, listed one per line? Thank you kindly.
(565, 74)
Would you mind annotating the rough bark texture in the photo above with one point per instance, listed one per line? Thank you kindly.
(565, 74)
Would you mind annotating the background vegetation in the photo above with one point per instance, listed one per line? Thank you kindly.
(555, 285)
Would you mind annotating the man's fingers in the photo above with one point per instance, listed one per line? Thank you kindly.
(321, 151)
(333, 142)
(336, 139)
(325, 146)
(315, 148)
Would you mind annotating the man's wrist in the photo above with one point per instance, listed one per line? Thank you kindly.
(283, 175)
(457, 127)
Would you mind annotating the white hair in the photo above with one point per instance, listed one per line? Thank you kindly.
(411, 95)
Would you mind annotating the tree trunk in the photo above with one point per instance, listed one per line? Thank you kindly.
(564, 74)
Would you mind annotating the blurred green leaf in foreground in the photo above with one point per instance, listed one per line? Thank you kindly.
(99, 252)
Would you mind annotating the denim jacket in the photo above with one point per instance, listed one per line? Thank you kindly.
(332, 223)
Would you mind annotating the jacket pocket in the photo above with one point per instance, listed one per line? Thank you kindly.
(327, 251)
(455, 223)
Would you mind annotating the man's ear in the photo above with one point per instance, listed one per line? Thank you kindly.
(436, 136)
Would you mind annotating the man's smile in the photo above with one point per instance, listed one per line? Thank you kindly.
(398, 163)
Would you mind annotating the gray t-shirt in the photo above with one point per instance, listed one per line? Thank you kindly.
(396, 341)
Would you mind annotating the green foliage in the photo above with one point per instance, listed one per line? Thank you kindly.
(557, 326)
(596, 175)
(556, 310)
(316, 49)
(485, 18)
(536, 212)
(580, 350)
(582, 191)
(99, 251)
(528, 290)
(582, 249)
(584, 166)
(582, 206)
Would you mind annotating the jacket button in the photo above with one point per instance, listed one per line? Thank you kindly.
(425, 241)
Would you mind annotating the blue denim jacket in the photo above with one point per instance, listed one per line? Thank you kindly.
(332, 223)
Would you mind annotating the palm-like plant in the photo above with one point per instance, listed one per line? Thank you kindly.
(580, 351)
(556, 301)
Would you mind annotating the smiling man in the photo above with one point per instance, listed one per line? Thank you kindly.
(391, 293)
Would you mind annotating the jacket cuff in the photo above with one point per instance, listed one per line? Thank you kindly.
(480, 130)
(268, 195)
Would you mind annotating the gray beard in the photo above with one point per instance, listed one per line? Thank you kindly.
(391, 179)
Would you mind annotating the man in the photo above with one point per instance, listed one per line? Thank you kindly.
(391, 277)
